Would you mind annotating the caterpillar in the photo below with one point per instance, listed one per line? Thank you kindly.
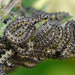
(23, 22)
(66, 35)
(6, 56)
(52, 16)
(70, 46)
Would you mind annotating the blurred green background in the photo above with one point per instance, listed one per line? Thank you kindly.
(50, 66)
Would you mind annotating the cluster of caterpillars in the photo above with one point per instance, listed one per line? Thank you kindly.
(25, 44)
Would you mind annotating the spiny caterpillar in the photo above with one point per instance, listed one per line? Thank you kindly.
(26, 30)
(23, 42)
(58, 16)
